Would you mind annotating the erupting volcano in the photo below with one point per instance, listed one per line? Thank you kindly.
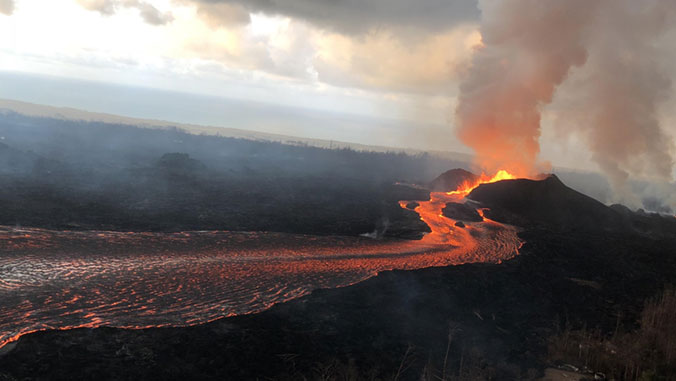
(287, 227)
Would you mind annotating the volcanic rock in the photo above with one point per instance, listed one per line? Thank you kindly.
(16, 161)
(621, 209)
(653, 224)
(404, 224)
(506, 314)
(545, 202)
(181, 162)
(461, 212)
(397, 222)
(397, 192)
(452, 180)
(460, 224)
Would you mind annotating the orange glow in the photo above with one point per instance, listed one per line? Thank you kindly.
(68, 279)
(147, 279)
(444, 230)
(466, 188)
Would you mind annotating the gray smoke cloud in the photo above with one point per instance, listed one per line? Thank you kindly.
(618, 93)
(529, 46)
(147, 11)
(611, 47)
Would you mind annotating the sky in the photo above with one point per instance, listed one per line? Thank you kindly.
(385, 72)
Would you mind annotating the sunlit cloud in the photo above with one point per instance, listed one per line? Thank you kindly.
(383, 61)
(6, 6)
(287, 42)
(352, 64)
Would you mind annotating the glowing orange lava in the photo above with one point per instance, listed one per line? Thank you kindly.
(444, 229)
(68, 279)
(468, 187)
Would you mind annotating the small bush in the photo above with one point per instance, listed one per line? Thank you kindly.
(648, 353)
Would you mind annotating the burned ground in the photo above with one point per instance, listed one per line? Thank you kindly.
(87, 175)
(583, 265)
(500, 318)
(474, 321)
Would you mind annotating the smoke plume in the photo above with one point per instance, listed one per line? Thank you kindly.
(530, 47)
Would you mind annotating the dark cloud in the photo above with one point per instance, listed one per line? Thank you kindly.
(356, 16)
(7, 6)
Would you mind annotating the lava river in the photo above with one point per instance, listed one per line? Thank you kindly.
(65, 279)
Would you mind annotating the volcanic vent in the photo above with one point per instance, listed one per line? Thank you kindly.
(461, 201)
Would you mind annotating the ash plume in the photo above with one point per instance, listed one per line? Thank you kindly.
(530, 47)
(617, 95)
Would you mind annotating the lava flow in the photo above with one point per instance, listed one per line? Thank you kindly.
(444, 229)
(67, 279)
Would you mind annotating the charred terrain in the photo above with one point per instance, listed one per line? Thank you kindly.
(575, 294)
(64, 174)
